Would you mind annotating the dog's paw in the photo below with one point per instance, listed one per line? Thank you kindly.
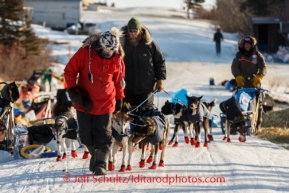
(154, 166)
(142, 163)
(150, 160)
(73, 154)
(187, 140)
(176, 144)
(242, 140)
(193, 141)
(129, 168)
(122, 168)
(110, 166)
(58, 159)
(85, 155)
(64, 156)
(206, 144)
(211, 137)
(162, 164)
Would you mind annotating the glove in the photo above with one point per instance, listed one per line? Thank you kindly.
(257, 80)
(160, 85)
(118, 105)
(240, 80)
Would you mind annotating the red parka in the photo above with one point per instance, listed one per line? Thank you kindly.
(105, 88)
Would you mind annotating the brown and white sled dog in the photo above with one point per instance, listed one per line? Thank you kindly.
(120, 122)
(150, 130)
(66, 127)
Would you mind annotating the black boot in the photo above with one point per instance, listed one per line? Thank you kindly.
(91, 150)
(100, 162)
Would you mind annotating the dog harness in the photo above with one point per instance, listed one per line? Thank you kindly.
(253, 61)
(202, 112)
(160, 121)
(66, 122)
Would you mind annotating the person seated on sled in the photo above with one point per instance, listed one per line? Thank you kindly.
(248, 66)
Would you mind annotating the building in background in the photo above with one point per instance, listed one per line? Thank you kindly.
(272, 32)
(57, 14)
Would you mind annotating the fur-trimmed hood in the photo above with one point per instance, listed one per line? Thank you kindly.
(146, 36)
(242, 50)
(241, 42)
(92, 38)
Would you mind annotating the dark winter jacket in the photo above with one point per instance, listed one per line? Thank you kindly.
(248, 66)
(106, 85)
(144, 64)
(218, 37)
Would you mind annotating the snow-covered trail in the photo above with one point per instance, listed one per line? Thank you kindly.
(254, 166)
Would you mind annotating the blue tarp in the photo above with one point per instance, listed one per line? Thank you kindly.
(228, 85)
(181, 96)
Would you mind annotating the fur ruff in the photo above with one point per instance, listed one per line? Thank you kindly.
(241, 42)
(146, 36)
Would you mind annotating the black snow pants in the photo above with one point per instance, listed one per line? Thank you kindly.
(95, 130)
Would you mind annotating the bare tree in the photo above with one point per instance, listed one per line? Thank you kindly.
(229, 17)
(192, 4)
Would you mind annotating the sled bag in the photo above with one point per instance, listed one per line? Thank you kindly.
(231, 108)
(245, 96)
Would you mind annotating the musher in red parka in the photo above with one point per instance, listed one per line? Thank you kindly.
(94, 77)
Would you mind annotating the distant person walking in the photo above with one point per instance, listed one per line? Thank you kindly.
(217, 38)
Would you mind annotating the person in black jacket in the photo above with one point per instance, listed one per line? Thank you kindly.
(145, 67)
(217, 38)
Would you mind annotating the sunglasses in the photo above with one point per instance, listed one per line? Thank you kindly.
(133, 30)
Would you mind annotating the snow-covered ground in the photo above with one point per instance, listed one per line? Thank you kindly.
(254, 166)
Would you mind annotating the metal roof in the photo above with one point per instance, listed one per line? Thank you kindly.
(266, 20)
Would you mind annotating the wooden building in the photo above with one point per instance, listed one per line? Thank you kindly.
(272, 32)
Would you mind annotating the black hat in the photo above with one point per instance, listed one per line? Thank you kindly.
(248, 40)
